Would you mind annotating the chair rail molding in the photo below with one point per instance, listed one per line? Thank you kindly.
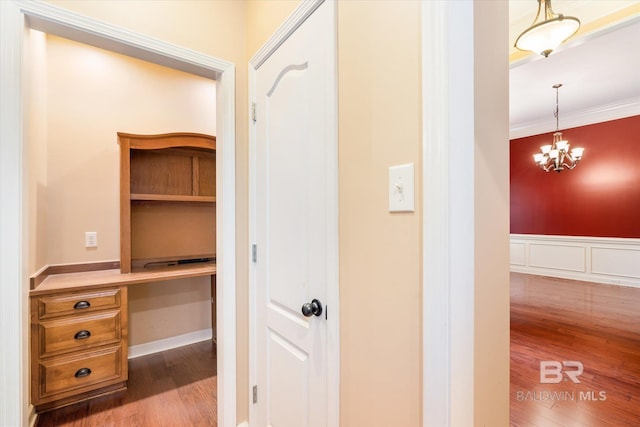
(608, 260)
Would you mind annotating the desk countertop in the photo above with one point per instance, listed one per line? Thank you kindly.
(112, 277)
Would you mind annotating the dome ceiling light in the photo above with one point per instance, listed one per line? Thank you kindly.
(547, 31)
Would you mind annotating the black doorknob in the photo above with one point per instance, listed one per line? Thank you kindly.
(313, 308)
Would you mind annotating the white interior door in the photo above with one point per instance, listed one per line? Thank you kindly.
(293, 179)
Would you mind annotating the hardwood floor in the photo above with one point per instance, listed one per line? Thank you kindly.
(169, 389)
(594, 324)
(551, 320)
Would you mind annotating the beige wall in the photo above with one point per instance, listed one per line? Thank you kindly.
(491, 178)
(35, 107)
(36, 135)
(91, 95)
(212, 27)
(264, 18)
(380, 252)
(86, 104)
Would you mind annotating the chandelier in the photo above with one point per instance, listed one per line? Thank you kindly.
(544, 36)
(557, 156)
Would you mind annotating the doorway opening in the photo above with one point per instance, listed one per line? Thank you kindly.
(22, 17)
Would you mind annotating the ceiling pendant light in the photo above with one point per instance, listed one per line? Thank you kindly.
(547, 34)
(557, 156)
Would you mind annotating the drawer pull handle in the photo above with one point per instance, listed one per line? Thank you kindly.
(83, 334)
(81, 304)
(82, 372)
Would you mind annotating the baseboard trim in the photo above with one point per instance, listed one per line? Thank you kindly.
(605, 280)
(612, 261)
(169, 343)
(33, 416)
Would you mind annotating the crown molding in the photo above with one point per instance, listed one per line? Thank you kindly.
(588, 116)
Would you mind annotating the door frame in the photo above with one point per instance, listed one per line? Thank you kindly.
(298, 16)
(456, 285)
(447, 339)
(17, 17)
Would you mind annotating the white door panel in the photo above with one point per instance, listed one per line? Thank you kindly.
(288, 394)
(287, 156)
(293, 138)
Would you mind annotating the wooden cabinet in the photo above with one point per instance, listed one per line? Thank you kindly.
(167, 200)
(78, 345)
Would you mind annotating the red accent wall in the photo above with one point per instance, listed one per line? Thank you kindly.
(599, 198)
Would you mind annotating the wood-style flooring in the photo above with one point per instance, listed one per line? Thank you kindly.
(170, 389)
(563, 320)
(551, 320)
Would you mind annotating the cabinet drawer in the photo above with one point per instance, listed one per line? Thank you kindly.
(79, 332)
(81, 372)
(81, 302)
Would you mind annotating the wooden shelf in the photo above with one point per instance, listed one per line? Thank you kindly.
(167, 197)
(172, 198)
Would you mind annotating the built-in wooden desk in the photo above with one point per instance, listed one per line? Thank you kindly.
(79, 343)
(79, 315)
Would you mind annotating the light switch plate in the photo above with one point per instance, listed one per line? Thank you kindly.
(401, 188)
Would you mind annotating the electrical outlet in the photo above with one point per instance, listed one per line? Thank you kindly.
(91, 239)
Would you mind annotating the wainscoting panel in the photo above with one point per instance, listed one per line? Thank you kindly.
(558, 257)
(594, 259)
(616, 262)
(517, 253)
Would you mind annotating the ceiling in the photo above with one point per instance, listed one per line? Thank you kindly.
(599, 67)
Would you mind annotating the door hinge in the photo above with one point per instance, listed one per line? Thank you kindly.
(255, 394)
(254, 253)
(253, 112)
